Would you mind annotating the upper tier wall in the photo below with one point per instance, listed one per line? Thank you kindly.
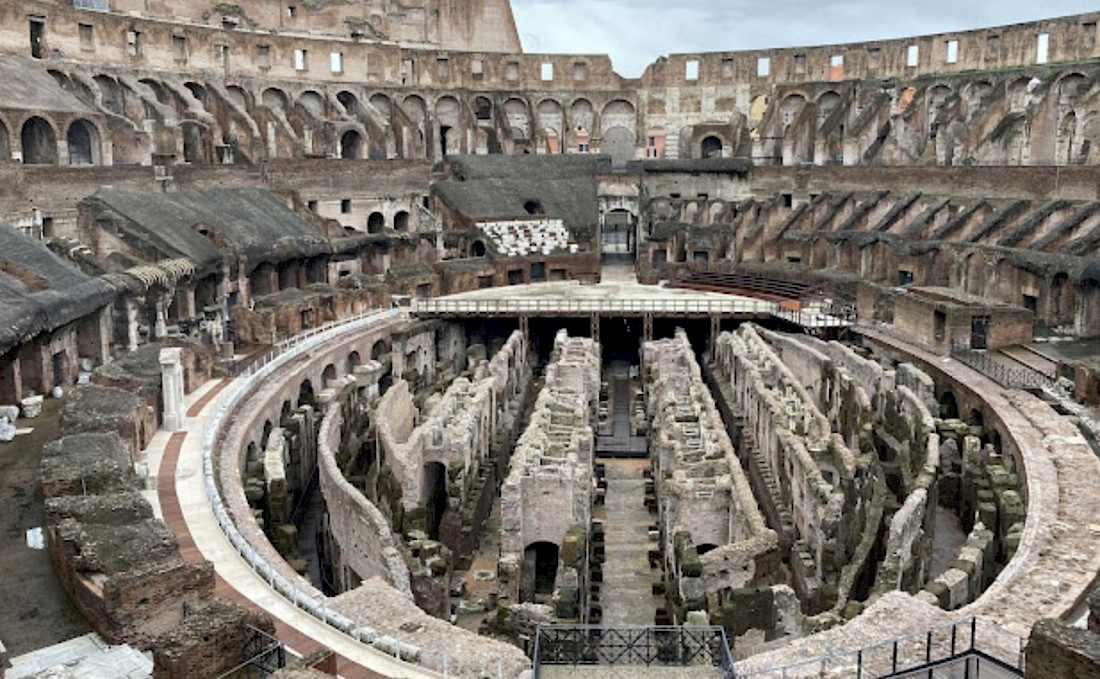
(475, 46)
(1071, 38)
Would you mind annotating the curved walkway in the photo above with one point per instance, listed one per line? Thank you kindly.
(176, 459)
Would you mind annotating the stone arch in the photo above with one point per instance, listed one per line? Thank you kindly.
(710, 147)
(199, 92)
(1070, 87)
(84, 144)
(351, 145)
(110, 94)
(582, 115)
(618, 113)
(518, 116)
(354, 361)
(328, 375)
(447, 115)
(39, 142)
(349, 101)
(976, 92)
(382, 104)
(312, 102)
(483, 108)
(401, 221)
(265, 437)
(305, 393)
(1066, 139)
(239, 96)
(380, 348)
(477, 248)
(415, 108)
(789, 109)
(276, 100)
(936, 100)
(376, 222)
(827, 102)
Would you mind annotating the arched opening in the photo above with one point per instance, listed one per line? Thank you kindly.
(379, 349)
(284, 414)
(351, 145)
(949, 407)
(195, 146)
(305, 394)
(349, 101)
(83, 140)
(540, 570)
(39, 142)
(375, 222)
(262, 281)
(477, 249)
(533, 207)
(354, 361)
(266, 437)
(401, 221)
(711, 147)
(618, 142)
(328, 375)
(704, 548)
(976, 418)
(434, 490)
(483, 108)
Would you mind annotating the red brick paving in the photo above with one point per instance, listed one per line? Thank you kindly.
(299, 642)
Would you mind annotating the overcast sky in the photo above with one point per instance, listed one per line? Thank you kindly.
(636, 32)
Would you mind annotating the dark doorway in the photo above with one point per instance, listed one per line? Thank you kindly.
(540, 565)
(39, 143)
(434, 488)
(979, 332)
(443, 131)
(711, 148)
(38, 31)
(351, 145)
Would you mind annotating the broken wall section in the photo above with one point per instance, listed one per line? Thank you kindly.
(547, 497)
(715, 537)
(813, 487)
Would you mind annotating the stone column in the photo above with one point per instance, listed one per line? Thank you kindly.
(160, 326)
(171, 373)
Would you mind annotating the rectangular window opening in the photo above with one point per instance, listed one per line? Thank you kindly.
(993, 46)
(336, 62)
(727, 66)
(477, 68)
(133, 43)
(912, 58)
(952, 51)
(546, 71)
(1088, 35)
(691, 69)
(345, 205)
(874, 57)
(263, 56)
(799, 64)
(443, 68)
(87, 40)
(179, 49)
(511, 71)
(301, 60)
(580, 71)
(1042, 48)
(763, 67)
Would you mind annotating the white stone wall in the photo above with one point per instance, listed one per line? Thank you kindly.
(549, 485)
(703, 488)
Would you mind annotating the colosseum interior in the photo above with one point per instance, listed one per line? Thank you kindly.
(349, 338)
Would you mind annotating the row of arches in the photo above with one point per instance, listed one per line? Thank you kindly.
(38, 141)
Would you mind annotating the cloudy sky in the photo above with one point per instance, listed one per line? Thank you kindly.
(635, 32)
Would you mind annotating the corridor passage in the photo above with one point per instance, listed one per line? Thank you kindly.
(626, 593)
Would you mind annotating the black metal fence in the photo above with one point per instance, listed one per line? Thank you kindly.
(639, 646)
(975, 648)
(1004, 375)
(263, 653)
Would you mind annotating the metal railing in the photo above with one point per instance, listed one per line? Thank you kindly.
(702, 307)
(638, 646)
(250, 377)
(955, 644)
(1004, 375)
(264, 655)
